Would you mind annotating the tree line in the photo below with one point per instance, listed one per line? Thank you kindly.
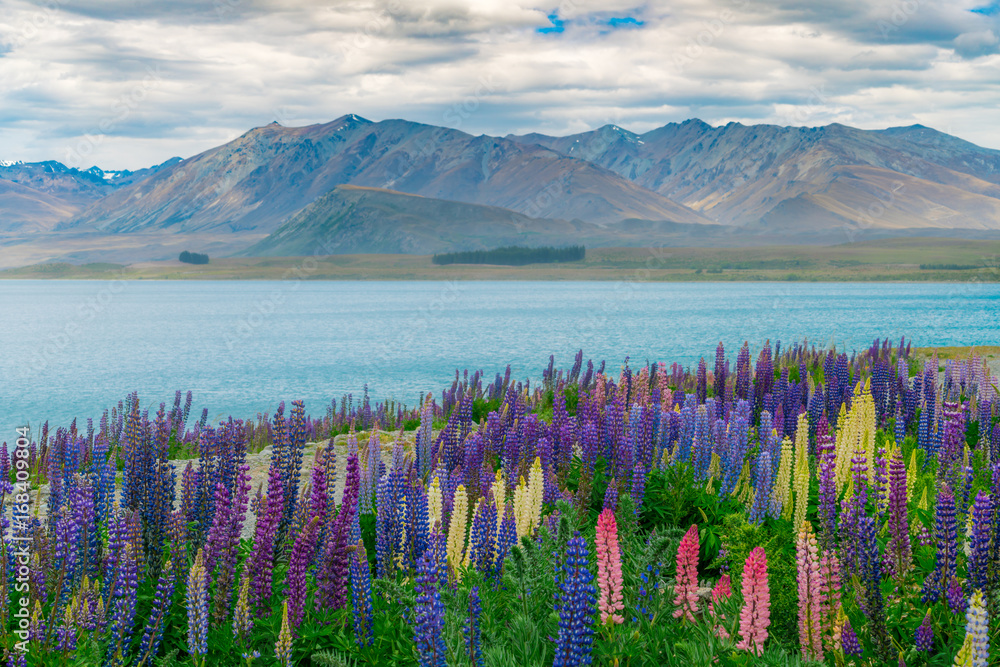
(193, 258)
(513, 255)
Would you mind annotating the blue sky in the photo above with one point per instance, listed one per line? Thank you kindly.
(134, 82)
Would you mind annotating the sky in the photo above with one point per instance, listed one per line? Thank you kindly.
(126, 84)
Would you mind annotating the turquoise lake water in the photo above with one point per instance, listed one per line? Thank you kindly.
(71, 348)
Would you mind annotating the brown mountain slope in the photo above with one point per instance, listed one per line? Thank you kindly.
(29, 210)
(260, 179)
(737, 174)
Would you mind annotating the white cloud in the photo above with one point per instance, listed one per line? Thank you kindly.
(155, 79)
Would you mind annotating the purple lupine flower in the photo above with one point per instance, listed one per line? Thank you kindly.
(298, 565)
(762, 491)
(849, 640)
(701, 443)
(950, 456)
(738, 440)
(389, 526)
(293, 461)
(898, 547)
(946, 537)
(576, 601)
(473, 635)
(872, 602)
(611, 495)
(506, 538)
(122, 608)
(638, 487)
(156, 623)
(482, 537)
(719, 381)
(701, 390)
(979, 558)
(429, 611)
(742, 390)
(332, 573)
(361, 596)
(261, 560)
(924, 636)
(197, 609)
(826, 453)
(955, 596)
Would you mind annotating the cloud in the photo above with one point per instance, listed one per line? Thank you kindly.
(154, 79)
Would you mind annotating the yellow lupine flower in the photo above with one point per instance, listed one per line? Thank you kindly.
(782, 485)
(856, 435)
(522, 507)
(715, 467)
(743, 486)
(455, 546)
(964, 657)
(435, 503)
(500, 490)
(911, 475)
(536, 494)
(801, 471)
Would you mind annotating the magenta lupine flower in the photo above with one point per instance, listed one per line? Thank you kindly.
(301, 559)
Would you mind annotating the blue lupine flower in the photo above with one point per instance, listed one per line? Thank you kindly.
(473, 635)
(576, 601)
(361, 592)
(429, 612)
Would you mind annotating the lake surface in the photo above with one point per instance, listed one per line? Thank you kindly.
(72, 348)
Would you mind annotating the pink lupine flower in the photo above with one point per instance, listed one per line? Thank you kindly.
(756, 613)
(686, 584)
(609, 568)
(722, 591)
(829, 567)
(811, 594)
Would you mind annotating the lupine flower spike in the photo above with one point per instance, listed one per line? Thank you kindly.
(686, 580)
(755, 617)
(609, 568)
(283, 647)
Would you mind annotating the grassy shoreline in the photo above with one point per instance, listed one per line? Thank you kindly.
(892, 260)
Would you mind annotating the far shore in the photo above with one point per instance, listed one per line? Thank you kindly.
(889, 260)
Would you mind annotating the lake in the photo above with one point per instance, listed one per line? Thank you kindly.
(72, 348)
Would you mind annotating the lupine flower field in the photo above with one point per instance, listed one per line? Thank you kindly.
(796, 506)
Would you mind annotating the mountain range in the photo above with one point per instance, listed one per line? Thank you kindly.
(353, 185)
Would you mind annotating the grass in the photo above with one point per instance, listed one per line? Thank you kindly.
(883, 260)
